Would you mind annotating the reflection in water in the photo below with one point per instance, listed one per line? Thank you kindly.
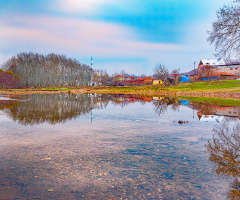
(234, 192)
(8, 104)
(224, 150)
(129, 152)
(208, 110)
(53, 108)
(57, 108)
(162, 105)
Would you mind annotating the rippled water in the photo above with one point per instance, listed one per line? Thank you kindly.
(71, 146)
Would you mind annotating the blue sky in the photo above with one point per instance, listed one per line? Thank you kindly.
(129, 35)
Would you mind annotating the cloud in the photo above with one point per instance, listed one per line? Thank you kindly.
(75, 37)
(115, 45)
(120, 34)
(79, 6)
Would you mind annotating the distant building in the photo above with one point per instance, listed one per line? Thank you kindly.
(215, 70)
(217, 76)
(139, 81)
(212, 62)
(157, 82)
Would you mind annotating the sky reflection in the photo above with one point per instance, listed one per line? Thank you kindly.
(127, 151)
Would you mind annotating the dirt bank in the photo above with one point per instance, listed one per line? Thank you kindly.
(235, 95)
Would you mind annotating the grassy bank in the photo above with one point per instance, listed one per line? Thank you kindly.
(215, 101)
(200, 90)
(229, 86)
(213, 86)
(217, 86)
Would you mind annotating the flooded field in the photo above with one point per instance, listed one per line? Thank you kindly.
(80, 146)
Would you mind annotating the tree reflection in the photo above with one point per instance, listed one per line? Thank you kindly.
(234, 192)
(5, 104)
(161, 106)
(121, 100)
(54, 108)
(58, 108)
(224, 150)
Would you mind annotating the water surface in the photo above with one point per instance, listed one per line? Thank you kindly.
(79, 146)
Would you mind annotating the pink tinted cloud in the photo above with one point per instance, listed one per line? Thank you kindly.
(75, 37)
(78, 6)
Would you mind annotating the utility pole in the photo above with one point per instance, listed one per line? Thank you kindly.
(196, 74)
(91, 60)
(193, 110)
(93, 70)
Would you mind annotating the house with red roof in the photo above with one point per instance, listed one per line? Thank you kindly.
(139, 81)
(216, 70)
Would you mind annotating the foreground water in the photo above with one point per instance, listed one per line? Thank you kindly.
(69, 146)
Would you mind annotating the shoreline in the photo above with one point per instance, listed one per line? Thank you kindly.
(212, 94)
(211, 97)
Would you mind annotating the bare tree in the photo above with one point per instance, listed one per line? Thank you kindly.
(176, 74)
(160, 72)
(207, 72)
(100, 77)
(124, 74)
(225, 34)
(105, 78)
(51, 70)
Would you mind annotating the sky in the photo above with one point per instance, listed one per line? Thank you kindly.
(130, 35)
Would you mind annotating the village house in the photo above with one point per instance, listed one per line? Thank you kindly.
(139, 81)
(157, 82)
(215, 70)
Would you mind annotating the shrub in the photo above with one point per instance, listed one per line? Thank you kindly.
(8, 80)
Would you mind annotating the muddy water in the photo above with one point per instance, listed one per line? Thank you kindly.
(113, 147)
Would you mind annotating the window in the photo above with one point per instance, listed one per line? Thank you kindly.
(231, 68)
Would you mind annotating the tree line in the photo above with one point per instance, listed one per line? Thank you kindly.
(36, 70)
